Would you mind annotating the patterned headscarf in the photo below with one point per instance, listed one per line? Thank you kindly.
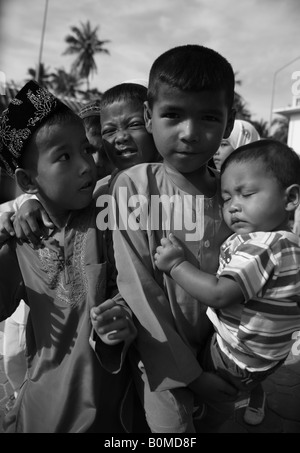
(243, 133)
(90, 109)
(30, 108)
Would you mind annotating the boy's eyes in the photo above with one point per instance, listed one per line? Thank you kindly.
(108, 131)
(64, 157)
(136, 124)
(210, 118)
(177, 115)
(170, 115)
(131, 125)
(89, 149)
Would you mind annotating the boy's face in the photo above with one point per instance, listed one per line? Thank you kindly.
(65, 172)
(188, 127)
(253, 199)
(124, 135)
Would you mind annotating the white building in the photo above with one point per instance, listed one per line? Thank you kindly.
(293, 115)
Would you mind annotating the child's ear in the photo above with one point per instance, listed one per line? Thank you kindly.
(230, 123)
(148, 117)
(292, 197)
(25, 180)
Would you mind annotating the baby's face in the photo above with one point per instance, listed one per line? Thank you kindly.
(124, 135)
(253, 199)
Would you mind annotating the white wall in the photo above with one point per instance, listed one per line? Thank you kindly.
(294, 132)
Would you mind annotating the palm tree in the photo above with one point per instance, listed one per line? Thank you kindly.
(262, 128)
(64, 83)
(85, 43)
(281, 129)
(44, 75)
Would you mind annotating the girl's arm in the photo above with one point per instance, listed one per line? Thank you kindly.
(208, 289)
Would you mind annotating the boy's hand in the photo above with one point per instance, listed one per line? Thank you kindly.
(112, 323)
(169, 254)
(6, 226)
(31, 222)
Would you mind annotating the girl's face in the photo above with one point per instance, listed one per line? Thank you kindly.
(65, 173)
(223, 152)
(124, 134)
(253, 200)
(188, 127)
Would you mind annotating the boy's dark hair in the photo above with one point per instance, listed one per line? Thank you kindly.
(278, 159)
(124, 92)
(92, 122)
(192, 68)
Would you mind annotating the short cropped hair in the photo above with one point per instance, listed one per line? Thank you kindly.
(192, 67)
(278, 159)
(124, 92)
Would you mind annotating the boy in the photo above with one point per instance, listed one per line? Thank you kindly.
(90, 114)
(255, 298)
(68, 389)
(188, 112)
(123, 130)
(126, 142)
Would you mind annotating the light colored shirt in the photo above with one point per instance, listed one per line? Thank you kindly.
(69, 388)
(168, 319)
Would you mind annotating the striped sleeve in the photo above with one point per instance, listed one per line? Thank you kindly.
(251, 266)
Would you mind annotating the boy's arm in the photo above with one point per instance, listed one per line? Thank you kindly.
(24, 218)
(7, 214)
(12, 288)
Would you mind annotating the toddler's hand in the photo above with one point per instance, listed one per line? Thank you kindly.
(112, 323)
(169, 254)
(6, 226)
(31, 222)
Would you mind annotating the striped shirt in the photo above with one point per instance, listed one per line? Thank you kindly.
(266, 265)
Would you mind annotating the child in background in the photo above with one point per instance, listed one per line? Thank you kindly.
(68, 388)
(243, 133)
(90, 114)
(188, 112)
(14, 344)
(254, 301)
(125, 137)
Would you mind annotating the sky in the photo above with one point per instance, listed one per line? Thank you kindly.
(260, 38)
